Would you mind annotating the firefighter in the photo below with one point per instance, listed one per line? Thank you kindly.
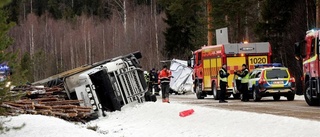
(164, 80)
(146, 76)
(223, 75)
(154, 81)
(244, 74)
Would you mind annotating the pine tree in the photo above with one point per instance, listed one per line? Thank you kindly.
(7, 56)
(185, 21)
(276, 16)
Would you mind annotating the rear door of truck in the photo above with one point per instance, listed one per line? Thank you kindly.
(234, 64)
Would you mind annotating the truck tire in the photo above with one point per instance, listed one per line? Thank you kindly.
(147, 96)
(290, 96)
(199, 91)
(153, 98)
(236, 96)
(307, 96)
(215, 92)
(256, 96)
(276, 97)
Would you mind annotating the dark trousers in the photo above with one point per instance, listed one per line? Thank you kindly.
(165, 90)
(245, 92)
(156, 88)
(223, 87)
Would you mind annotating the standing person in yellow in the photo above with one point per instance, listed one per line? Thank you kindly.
(223, 75)
(244, 82)
(164, 79)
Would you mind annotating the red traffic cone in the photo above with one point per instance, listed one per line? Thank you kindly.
(186, 113)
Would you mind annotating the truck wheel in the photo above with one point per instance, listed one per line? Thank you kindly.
(276, 97)
(290, 96)
(308, 97)
(215, 93)
(256, 96)
(147, 96)
(199, 91)
(153, 98)
(236, 96)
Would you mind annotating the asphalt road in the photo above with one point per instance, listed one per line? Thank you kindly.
(297, 108)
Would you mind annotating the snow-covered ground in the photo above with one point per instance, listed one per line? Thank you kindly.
(163, 120)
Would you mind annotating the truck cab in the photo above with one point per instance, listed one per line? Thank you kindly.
(106, 85)
(307, 53)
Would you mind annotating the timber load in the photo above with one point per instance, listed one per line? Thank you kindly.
(47, 101)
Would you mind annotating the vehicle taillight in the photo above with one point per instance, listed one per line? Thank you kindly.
(262, 80)
(292, 79)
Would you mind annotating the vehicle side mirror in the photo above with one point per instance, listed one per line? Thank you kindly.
(300, 50)
(297, 51)
(189, 63)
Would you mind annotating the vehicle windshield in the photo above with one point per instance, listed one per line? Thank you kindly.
(276, 73)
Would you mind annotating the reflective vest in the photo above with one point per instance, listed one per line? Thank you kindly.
(164, 76)
(245, 79)
(146, 77)
(225, 79)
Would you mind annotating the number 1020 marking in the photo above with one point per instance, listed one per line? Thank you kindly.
(258, 60)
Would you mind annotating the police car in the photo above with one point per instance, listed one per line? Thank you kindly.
(271, 80)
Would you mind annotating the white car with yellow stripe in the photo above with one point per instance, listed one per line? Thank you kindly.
(271, 80)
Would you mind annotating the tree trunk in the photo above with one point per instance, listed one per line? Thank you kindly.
(31, 6)
(156, 32)
(90, 47)
(209, 18)
(124, 17)
(103, 43)
(318, 14)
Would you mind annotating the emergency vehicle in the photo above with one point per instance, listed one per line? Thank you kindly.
(307, 50)
(208, 60)
(271, 80)
(4, 71)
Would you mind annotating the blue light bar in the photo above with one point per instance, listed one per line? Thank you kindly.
(268, 65)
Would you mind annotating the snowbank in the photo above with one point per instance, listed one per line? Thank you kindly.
(159, 120)
(44, 126)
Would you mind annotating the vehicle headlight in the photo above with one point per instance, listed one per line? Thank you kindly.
(92, 102)
(88, 89)
(90, 95)
(8, 84)
(94, 107)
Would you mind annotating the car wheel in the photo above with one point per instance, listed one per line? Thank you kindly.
(256, 96)
(308, 96)
(199, 91)
(236, 96)
(215, 92)
(290, 96)
(276, 97)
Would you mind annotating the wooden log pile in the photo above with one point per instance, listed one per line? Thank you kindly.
(47, 101)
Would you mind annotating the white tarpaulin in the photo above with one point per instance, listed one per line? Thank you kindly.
(182, 76)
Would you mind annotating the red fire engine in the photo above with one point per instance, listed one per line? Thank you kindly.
(308, 51)
(208, 60)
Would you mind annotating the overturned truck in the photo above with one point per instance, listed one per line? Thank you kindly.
(105, 86)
